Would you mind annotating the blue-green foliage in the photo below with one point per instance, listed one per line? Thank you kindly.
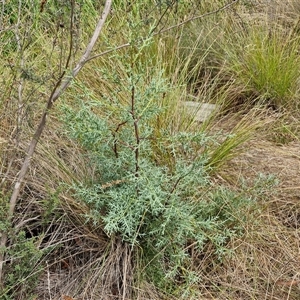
(157, 208)
(154, 208)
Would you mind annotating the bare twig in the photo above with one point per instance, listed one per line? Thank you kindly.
(161, 17)
(115, 138)
(136, 131)
(226, 6)
(21, 80)
(109, 51)
(198, 17)
(59, 88)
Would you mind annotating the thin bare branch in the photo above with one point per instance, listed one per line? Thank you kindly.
(56, 93)
(198, 17)
(109, 51)
(226, 6)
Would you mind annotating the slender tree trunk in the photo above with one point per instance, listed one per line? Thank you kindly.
(59, 88)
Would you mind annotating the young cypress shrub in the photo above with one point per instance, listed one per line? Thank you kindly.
(159, 210)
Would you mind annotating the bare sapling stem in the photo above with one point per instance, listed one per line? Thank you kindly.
(136, 132)
(137, 137)
(61, 85)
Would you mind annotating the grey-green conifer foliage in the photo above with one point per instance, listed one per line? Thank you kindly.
(159, 209)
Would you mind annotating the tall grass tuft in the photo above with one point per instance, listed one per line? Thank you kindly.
(266, 63)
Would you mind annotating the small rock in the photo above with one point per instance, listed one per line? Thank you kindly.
(200, 111)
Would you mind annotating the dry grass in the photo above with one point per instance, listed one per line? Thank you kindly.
(265, 264)
(87, 267)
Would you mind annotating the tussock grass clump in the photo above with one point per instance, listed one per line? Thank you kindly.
(267, 66)
(255, 53)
